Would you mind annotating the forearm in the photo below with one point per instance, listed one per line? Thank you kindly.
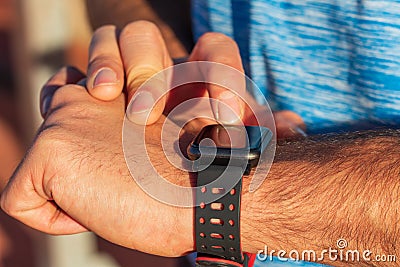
(322, 189)
(173, 20)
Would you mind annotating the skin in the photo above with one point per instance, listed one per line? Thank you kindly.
(126, 55)
(173, 21)
(170, 39)
(45, 204)
(64, 186)
(318, 190)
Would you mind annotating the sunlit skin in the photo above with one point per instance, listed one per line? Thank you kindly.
(74, 178)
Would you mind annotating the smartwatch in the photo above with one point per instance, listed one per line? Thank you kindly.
(222, 155)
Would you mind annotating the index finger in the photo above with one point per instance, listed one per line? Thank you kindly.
(144, 54)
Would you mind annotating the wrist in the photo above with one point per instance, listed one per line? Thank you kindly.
(246, 217)
(186, 231)
(252, 210)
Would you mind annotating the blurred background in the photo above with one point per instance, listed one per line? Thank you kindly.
(36, 38)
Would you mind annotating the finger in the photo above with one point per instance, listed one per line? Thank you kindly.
(27, 202)
(144, 54)
(105, 72)
(67, 75)
(226, 85)
(289, 125)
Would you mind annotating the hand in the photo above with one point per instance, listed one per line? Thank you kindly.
(71, 180)
(139, 52)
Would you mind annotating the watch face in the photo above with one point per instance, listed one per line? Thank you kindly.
(226, 142)
(222, 137)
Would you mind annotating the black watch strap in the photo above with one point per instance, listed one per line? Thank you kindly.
(217, 224)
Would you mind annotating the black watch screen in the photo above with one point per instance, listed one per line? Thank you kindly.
(227, 142)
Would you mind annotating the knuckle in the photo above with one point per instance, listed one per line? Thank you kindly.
(47, 138)
(56, 137)
(64, 99)
(98, 33)
(63, 117)
(3, 204)
(52, 137)
(143, 27)
(143, 71)
(7, 206)
(138, 75)
(66, 94)
(57, 78)
(212, 38)
(211, 44)
(222, 59)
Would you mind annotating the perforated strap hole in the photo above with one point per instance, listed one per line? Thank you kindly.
(231, 237)
(216, 236)
(203, 247)
(218, 248)
(231, 222)
(232, 250)
(202, 205)
(233, 258)
(218, 190)
(216, 221)
(217, 206)
(202, 220)
(203, 189)
(233, 191)
(202, 235)
(231, 207)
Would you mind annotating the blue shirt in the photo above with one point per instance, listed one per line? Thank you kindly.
(335, 63)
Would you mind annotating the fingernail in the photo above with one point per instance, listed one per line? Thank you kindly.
(300, 131)
(46, 105)
(229, 111)
(105, 76)
(142, 102)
